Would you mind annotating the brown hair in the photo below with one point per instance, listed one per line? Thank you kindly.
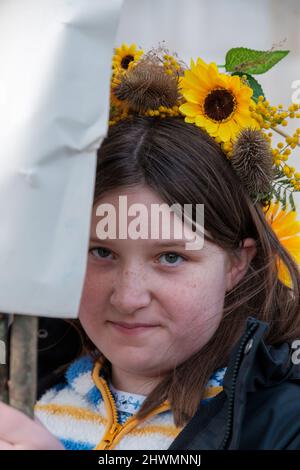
(184, 165)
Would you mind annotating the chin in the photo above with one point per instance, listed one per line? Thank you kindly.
(130, 361)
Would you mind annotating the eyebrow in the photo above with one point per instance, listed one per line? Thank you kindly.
(157, 243)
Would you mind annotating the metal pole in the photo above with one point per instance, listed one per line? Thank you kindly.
(3, 358)
(23, 363)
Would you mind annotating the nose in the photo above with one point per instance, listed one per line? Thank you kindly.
(130, 292)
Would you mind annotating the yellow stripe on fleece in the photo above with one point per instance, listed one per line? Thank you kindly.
(212, 391)
(82, 414)
(74, 412)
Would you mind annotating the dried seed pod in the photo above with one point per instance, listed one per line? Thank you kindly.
(147, 86)
(252, 160)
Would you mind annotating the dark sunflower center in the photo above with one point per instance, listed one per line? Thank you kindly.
(126, 61)
(219, 105)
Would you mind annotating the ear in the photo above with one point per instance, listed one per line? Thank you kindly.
(239, 262)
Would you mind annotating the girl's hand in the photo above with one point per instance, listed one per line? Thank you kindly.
(18, 432)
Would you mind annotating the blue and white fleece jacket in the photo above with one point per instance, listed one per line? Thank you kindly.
(88, 413)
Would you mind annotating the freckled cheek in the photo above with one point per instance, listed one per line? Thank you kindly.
(95, 295)
(196, 307)
(191, 328)
(191, 292)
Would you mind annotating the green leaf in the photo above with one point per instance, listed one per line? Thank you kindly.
(241, 59)
(284, 180)
(252, 83)
(292, 202)
(277, 194)
(284, 200)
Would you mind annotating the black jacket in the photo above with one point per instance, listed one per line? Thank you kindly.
(259, 407)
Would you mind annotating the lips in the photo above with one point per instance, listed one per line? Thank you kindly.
(132, 329)
(131, 326)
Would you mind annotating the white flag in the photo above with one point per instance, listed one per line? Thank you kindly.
(55, 66)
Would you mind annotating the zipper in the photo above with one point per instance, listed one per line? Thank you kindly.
(114, 430)
(236, 367)
(113, 427)
(109, 437)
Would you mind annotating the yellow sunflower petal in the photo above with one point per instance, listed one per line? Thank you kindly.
(213, 128)
(200, 62)
(235, 128)
(283, 274)
(235, 83)
(204, 84)
(190, 109)
(274, 214)
(200, 121)
(190, 80)
(287, 230)
(246, 92)
(287, 221)
(225, 132)
(189, 119)
(222, 81)
(292, 244)
(294, 229)
(192, 96)
(212, 71)
(242, 119)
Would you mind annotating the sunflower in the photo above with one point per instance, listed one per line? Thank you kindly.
(216, 102)
(125, 56)
(287, 230)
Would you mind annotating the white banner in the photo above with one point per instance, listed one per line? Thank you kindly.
(55, 65)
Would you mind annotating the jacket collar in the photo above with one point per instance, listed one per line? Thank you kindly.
(261, 365)
(252, 365)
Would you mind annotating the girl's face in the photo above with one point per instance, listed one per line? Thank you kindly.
(149, 307)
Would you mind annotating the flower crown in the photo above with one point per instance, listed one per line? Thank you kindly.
(231, 107)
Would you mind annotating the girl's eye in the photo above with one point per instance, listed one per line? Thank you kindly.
(101, 253)
(172, 259)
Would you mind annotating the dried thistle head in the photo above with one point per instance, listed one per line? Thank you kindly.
(252, 160)
(147, 85)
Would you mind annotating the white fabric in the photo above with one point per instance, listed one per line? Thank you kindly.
(54, 88)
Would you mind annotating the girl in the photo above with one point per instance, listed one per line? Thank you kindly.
(184, 349)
